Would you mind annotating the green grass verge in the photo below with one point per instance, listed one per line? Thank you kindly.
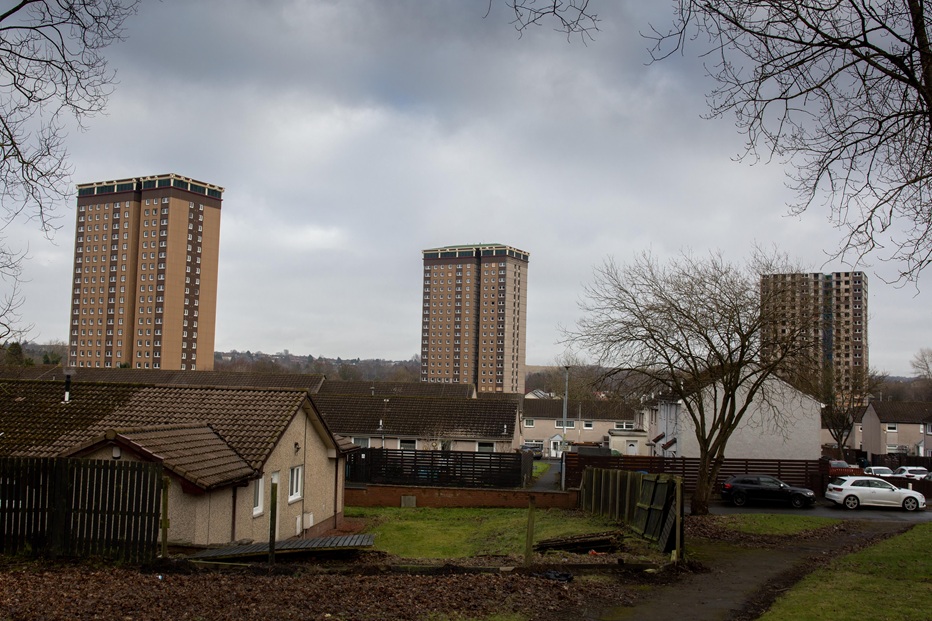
(540, 467)
(888, 581)
(461, 533)
(765, 524)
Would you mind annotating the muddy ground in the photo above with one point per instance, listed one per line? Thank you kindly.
(724, 578)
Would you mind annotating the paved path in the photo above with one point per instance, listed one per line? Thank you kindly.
(550, 480)
(739, 575)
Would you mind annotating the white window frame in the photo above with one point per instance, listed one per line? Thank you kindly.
(891, 427)
(400, 447)
(488, 445)
(624, 425)
(587, 424)
(258, 497)
(361, 442)
(529, 422)
(295, 483)
(570, 424)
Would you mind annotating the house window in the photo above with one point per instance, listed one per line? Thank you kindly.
(295, 483)
(570, 424)
(361, 442)
(529, 422)
(891, 427)
(624, 424)
(485, 447)
(587, 424)
(894, 448)
(407, 445)
(258, 496)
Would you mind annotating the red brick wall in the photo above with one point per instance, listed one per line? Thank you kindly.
(390, 496)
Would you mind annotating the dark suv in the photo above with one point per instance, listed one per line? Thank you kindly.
(745, 488)
(536, 450)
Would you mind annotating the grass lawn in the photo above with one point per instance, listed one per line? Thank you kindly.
(462, 533)
(765, 524)
(540, 467)
(888, 581)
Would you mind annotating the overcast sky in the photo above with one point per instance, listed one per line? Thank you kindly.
(349, 136)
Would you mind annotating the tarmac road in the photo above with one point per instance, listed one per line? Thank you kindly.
(824, 508)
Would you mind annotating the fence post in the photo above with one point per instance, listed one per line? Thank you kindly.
(529, 537)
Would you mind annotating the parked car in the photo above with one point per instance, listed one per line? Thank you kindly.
(927, 477)
(878, 471)
(744, 488)
(910, 472)
(533, 449)
(853, 491)
(838, 463)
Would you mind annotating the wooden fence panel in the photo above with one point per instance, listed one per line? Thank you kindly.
(438, 468)
(798, 472)
(77, 507)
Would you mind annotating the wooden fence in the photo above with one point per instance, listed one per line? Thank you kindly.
(78, 508)
(798, 472)
(439, 468)
(646, 503)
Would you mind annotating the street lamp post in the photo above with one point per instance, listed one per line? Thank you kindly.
(566, 398)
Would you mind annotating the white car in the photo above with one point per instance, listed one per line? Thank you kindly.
(910, 472)
(878, 471)
(851, 492)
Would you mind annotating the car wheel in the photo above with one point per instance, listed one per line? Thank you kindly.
(739, 499)
(910, 504)
(852, 502)
(797, 501)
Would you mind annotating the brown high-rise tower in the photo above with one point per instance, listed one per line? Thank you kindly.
(144, 284)
(474, 316)
(833, 310)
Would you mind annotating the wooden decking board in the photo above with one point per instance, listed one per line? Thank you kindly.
(347, 542)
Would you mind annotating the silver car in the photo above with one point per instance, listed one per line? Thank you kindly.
(852, 492)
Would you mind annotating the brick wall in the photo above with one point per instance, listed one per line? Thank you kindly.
(390, 496)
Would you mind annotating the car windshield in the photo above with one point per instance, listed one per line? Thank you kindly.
(838, 481)
(881, 470)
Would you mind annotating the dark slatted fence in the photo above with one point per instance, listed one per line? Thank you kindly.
(76, 507)
(799, 472)
(438, 468)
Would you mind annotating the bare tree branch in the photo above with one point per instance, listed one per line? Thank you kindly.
(51, 66)
(842, 91)
(696, 330)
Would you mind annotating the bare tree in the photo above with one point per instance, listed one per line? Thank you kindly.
(11, 326)
(839, 90)
(695, 329)
(51, 66)
(841, 407)
(922, 363)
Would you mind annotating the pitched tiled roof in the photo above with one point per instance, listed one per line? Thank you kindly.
(157, 377)
(902, 411)
(418, 417)
(395, 389)
(585, 410)
(194, 452)
(36, 422)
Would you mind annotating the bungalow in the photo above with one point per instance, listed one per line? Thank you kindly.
(896, 427)
(781, 423)
(421, 423)
(606, 423)
(222, 448)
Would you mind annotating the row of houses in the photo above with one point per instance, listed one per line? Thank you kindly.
(225, 437)
(884, 427)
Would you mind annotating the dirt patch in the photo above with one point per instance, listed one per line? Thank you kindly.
(722, 580)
